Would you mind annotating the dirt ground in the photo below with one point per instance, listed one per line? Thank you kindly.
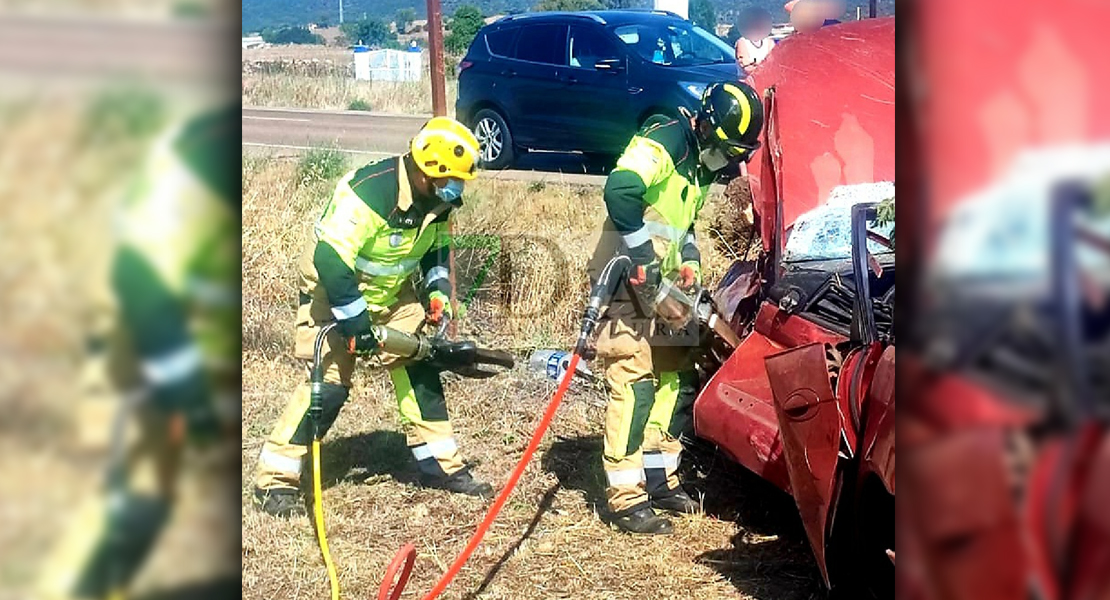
(551, 540)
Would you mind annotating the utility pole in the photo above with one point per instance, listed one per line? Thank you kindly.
(435, 56)
(439, 109)
(874, 8)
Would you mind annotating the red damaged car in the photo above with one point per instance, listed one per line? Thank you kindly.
(806, 400)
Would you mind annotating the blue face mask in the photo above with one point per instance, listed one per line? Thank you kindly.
(452, 192)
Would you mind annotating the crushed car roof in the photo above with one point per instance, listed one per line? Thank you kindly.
(834, 114)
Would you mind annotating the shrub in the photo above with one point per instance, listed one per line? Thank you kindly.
(370, 32)
(321, 165)
(465, 24)
(359, 104)
(703, 15)
(291, 35)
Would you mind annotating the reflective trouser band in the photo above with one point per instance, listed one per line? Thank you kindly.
(625, 477)
(281, 463)
(173, 366)
(403, 267)
(653, 460)
(435, 274)
(438, 448)
(350, 309)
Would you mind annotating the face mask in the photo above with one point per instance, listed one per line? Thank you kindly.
(713, 158)
(452, 192)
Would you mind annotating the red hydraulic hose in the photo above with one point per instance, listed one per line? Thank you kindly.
(407, 555)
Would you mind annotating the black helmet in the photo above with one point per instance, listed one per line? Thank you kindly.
(735, 116)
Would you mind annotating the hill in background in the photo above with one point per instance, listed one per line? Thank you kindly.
(260, 14)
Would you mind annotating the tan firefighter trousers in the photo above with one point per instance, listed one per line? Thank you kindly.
(652, 386)
(419, 393)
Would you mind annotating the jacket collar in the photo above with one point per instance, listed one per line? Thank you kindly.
(406, 215)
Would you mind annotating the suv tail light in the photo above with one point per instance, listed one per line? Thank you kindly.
(464, 65)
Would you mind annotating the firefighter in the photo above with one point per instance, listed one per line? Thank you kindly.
(386, 222)
(653, 197)
(167, 348)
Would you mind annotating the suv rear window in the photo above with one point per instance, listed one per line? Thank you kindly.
(547, 43)
(500, 43)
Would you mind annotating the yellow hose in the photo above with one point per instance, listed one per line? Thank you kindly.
(318, 511)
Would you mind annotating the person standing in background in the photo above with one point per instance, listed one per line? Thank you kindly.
(755, 42)
(811, 15)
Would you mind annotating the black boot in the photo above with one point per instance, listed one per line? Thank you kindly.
(677, 502)
(459, 482)
(279, 502)
(643, 521)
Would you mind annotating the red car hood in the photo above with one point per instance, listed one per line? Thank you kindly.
(833, 117)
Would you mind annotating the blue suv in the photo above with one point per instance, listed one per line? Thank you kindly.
(582, 81)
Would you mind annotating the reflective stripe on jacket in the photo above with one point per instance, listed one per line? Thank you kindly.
(372, 238)
(656, 191)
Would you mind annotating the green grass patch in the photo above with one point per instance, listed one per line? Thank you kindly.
(321, 165)
(359, 104)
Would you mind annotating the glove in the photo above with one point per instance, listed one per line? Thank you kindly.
(644, 276)
(689, 275)
(645, 280)
(359, 334)
(438, 306)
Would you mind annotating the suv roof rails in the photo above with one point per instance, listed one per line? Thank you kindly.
(655, 11)
(529, 15)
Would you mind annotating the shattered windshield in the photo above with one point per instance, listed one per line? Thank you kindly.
(825, 233)
(1000, 234)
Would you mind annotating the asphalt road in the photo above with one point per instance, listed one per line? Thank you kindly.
(378, 134)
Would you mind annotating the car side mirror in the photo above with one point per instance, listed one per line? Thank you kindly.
(613, 65)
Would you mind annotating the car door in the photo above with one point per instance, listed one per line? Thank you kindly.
(534, 77)
(597, 100)
(484, 80)
(810, 424)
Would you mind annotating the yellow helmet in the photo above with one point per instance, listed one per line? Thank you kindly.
(445, 148)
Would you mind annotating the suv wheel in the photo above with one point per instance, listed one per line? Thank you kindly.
(494, 140)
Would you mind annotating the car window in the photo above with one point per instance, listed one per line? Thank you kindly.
(500, 43)
(546, 43)
(825, 232)
(589, 45)
(678, 44)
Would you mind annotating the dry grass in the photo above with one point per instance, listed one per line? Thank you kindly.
(550, 541)
(321, 77)
(299, 52)
(338, 92)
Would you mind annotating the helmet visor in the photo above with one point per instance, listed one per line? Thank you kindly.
(736, 149)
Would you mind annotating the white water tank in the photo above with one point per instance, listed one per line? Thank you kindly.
(679, 7)
(362, 62)
(394, 65)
